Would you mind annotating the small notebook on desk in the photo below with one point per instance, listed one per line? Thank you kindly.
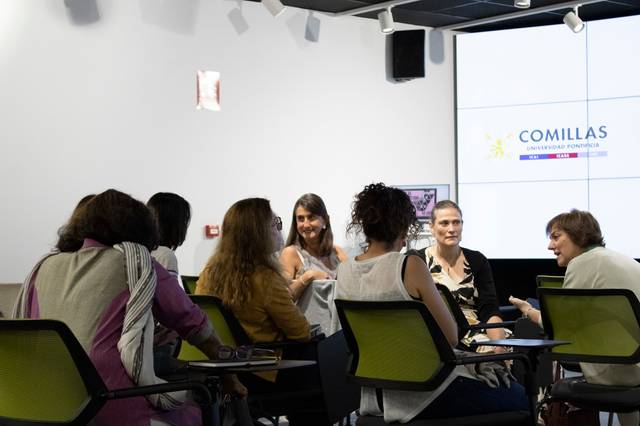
(231, 363)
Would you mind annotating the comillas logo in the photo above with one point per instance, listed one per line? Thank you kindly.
(499, 146)
(563, 135)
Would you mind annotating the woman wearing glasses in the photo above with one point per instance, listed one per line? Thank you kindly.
(245, 275)
(309, 253)
(387, 217)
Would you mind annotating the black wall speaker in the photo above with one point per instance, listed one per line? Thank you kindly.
(408, 54)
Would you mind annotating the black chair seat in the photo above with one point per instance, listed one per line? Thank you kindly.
(509, 418)
(578, 392)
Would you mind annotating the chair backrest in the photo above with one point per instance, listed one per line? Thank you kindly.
(394, 345)
(549, 281)
(45, 375)
(225, 324)
(189, 283)
(603, 325)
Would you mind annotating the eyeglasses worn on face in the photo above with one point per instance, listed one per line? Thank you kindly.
(277, 222)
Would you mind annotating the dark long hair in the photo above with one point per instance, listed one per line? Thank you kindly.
(246, 245)
(383, 214)
(314, 204)
(172, 214)
(111, 217)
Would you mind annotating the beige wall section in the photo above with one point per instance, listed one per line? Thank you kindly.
(88, 106)
(8, 295)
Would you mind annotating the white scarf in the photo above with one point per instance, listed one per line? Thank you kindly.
(136, 342)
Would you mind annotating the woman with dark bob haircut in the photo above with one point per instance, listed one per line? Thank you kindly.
(172, 215)
(387, 217)
(103, 259)
(309, 253)
(576, 241)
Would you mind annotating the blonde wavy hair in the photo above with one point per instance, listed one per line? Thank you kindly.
(247, 244)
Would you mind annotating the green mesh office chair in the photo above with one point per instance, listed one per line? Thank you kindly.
(603, 326)
(398, 345)
(189, 283)
(225, 324)
(47, 378)
(549, 281)
(340, 398)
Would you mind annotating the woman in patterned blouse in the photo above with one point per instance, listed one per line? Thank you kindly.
(466, 273)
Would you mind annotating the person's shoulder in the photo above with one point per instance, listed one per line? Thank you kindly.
(340, 253)
(265, 276)
(473, 255)
(421, 253)
(289, 252)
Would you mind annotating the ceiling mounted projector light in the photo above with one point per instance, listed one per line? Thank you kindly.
(573, 21)
(386, 21)
(522, 4)
(275, 7)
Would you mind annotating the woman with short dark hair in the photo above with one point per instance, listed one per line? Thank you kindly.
(172, 215)
(88, 287)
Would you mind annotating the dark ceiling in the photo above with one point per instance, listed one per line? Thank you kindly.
(440, 13)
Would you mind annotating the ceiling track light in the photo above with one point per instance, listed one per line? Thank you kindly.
(522, 4)
(573, 21)
(386, 21)
(275, 7)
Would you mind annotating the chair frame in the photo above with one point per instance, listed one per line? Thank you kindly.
(463, 325)
(183, 280)
(557, 281)
(97, 391)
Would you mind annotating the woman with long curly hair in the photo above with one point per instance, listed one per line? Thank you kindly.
(386, 217)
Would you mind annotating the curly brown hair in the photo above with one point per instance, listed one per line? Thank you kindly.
(246, 245)
(110, 217)
(583, 229)
(383, 214)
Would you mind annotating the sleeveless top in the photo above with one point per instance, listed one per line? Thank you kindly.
(311, 262)
(380, 279)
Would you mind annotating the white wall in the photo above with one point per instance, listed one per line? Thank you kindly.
(88, 106)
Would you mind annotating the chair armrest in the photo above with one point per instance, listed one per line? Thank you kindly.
(288, 343)
(478, 358)
(485, 325)
(509, 312)
(200, 388)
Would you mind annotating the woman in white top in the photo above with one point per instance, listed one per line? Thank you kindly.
(309, 253)
(387, 217)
